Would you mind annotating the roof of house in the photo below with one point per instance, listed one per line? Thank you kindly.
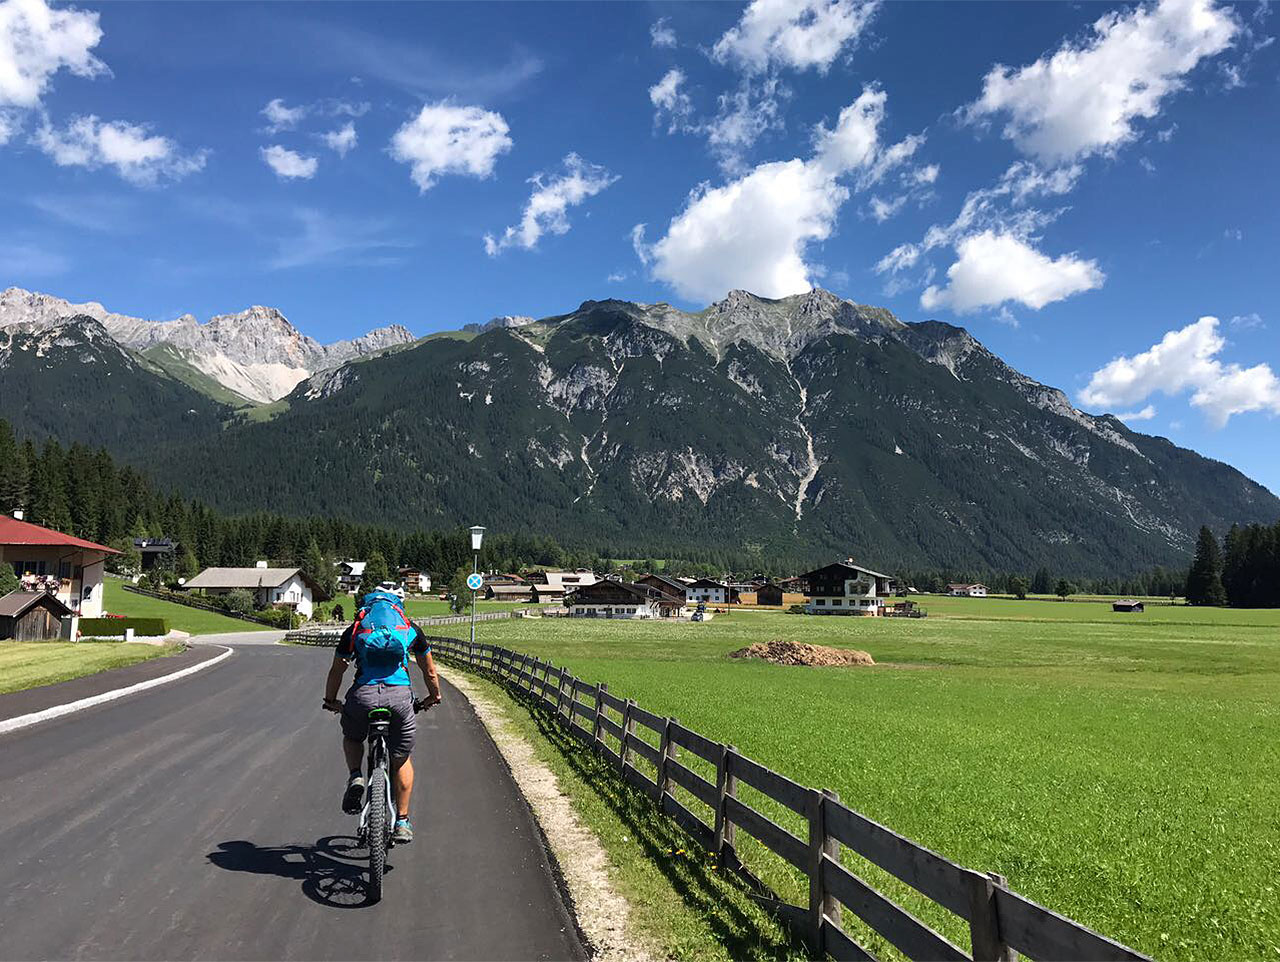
(848, 565)
(673, 583)
(510, 589)
(643, 592)
(243, 577)
(18, 603)
(355, 567)
(548, 589)
(13, 531)
(967, 585)
(708, 583)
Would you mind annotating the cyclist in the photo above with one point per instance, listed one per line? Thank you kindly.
(380, 641)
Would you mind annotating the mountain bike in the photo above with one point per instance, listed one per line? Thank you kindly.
(378, 817)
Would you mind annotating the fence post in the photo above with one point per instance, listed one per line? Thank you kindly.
(573, 700)
(821, 903)
(728, 831)
(984, 919)
(597, 729)
(666, 751)
(628, 732)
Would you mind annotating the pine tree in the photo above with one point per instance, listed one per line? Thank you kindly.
(319, 569)
(375, 572)
(1041, 584)
(1018, 587)
(1204, 582)
(8, 580)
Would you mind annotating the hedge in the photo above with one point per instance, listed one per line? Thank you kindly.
(110, 627)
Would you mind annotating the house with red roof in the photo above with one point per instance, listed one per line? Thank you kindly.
(65, 566)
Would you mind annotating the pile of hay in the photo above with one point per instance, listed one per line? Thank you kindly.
(780, 652)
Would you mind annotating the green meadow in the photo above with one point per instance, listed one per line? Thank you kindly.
(195, 621)
(1123, 769)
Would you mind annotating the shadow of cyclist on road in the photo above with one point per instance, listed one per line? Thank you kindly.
(325, 869)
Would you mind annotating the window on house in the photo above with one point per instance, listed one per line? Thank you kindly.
(820, 601)
(64, 569)
(836, 601)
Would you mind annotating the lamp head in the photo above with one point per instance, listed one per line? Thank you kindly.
(477, 536)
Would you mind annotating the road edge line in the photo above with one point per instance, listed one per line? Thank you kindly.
(58, 711)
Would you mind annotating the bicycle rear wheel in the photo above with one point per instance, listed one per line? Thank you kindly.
(377, 831)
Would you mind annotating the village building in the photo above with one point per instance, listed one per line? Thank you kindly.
(415, 582)
(64, 566)
(349, 575)
(508, 592)
(156, 553)
(567, 580)
(674, 587)
(501, 578)
(290, 588)
(548, 594)
(1129, 605)
(620, 599)
(769, 594)
(712, 592)
(844, 588)
(967, 591)
(31, 616)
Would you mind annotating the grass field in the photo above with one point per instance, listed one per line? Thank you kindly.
(195, 621)
(433, 607)
(1122, 769)
(26, 664)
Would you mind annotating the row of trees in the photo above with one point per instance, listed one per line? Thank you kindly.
(1244, 571)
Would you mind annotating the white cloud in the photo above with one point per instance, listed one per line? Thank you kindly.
(1146, 414)
(755, 231)
(900, 258)
(289, 164)
(617, 277)
(549, 203)
(1246, 322)
(670, 101)
(1185, 360)
(882, 209)
(800, 34)
(341, 140)
(926, 175)
(279, 117)
(1146, 164)
(447, 139)
(743, 116)
(662, 34)
(137, 156)
(1087, 96)
(993, 268)
(36, 41)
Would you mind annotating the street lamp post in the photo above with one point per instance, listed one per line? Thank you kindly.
(477, 538)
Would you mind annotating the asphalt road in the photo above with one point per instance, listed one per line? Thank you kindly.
(201, 820)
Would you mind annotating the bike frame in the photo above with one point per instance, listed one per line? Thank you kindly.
(378, 758)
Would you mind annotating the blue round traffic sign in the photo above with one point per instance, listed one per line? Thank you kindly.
(475, 582)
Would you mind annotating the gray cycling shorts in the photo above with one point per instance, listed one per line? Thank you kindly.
(399, 698)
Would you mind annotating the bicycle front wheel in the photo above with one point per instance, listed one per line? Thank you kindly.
(377, 831)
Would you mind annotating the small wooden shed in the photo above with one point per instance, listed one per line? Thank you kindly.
(31, 616)
(1127, 605)
(769, 594)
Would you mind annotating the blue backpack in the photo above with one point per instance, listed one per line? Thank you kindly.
(382, 634)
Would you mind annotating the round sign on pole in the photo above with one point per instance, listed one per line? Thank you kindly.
(475, 582)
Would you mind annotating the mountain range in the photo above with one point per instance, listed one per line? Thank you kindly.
(803, 427)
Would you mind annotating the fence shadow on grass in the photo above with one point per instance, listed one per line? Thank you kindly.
(716, 896)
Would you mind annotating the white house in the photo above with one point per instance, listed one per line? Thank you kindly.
(67, 567)
(712, 592)
(967, 591)
(349, 575)
(844, 588)
(270, 587)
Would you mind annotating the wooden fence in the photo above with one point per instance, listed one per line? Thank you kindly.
(327, 634)
(193, 602)
(1001, 922)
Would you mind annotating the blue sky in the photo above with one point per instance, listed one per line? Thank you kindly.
(1080, 185)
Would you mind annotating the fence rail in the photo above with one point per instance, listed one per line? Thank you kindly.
(328, 634)
(1001, 922)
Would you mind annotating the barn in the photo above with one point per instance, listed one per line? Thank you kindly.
(31, 616)
(1128, 604)
(769, 594)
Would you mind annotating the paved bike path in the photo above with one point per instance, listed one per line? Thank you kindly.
(197, 821)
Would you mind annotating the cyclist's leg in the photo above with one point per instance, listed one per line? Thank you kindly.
(404, 729)
(402, 779)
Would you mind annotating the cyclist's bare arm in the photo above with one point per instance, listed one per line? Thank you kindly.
(333, 682)
(428, 667)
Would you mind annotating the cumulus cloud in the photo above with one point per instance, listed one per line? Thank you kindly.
(138, 156)
(1186, 360)
(798, 34)
(662, 34)
(670, 102)
(36, 41)
(547, 209)
(289, 164)
(755, 231)
(280, 117)
(341, 140)
(1087, 96)
(1146, 414)
(447, 139)
(993, 268)
(743, 116)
